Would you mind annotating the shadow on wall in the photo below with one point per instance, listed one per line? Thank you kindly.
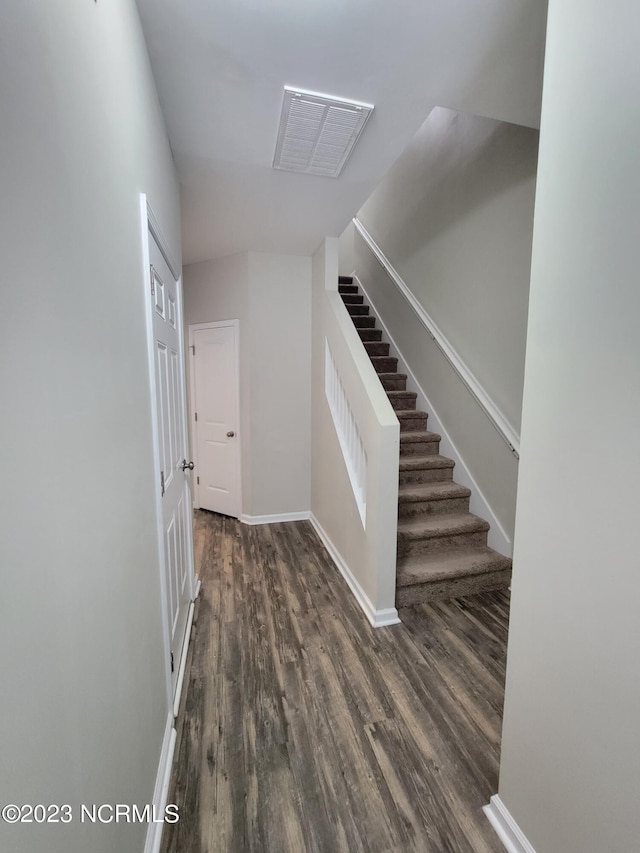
(453, 153)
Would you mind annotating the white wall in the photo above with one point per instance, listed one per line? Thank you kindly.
(280, 329)
(271, 297)
(571, 742)
(84, 704)
(346, 256)
(454, 217)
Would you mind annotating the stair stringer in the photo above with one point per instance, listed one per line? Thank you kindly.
(498, 538)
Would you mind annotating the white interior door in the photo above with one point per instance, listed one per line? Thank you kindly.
(216, 413)
(175, 489)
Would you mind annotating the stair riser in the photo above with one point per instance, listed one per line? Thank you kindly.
(439, 590)
(409, 546)
(420, 448)
(347, 288)
(394, 384)
(352, 299)
(364, 322)
(404, 402)
(370, 334)
(426, 475)
(385, 364)
(376, 348)
(409, 509)
(412, 424)
(358, 310)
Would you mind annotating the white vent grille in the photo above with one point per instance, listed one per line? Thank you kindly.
(317, 133)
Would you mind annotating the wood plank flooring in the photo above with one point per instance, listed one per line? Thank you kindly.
(304, 730)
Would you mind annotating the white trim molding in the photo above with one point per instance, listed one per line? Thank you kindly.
(378, 618)
(183, 660)
(495, 416)
(196, 587)
(498, 536)
(507, 830)
(161, 790)
(275, 519)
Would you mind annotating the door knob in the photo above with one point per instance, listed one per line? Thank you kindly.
(230, 434)
(186, 465)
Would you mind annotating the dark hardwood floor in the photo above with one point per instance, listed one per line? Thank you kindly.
(304, 729)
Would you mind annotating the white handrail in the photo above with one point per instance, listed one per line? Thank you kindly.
(495, 416)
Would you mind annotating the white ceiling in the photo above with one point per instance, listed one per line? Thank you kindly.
(221, 66)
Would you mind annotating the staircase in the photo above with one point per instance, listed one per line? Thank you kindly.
(442, 547)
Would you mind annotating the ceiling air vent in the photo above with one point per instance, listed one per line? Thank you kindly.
(317, 132)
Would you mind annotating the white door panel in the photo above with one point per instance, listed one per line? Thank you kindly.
(215, 384)
(172, 450)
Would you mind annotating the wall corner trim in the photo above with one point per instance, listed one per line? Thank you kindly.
(507, 830)
(495, 416)
(303, 515)
(378, 618)
(161, 790)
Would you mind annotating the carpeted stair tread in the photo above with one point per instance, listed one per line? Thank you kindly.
(411, 420)
(364, 322)
(425, 568)
(396, 394)
(384, 363)
(392, 375)
(347, 288)
(376, 348)
(411, 413)
(418, 437)
(393, 381)
(345, 279)
(417, 463)
(402, 400)
(370, 334)
(440, 526)
(352, 298)
(438, 491)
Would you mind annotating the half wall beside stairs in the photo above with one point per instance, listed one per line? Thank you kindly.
(363, 545)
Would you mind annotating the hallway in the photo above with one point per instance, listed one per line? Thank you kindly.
(304, 729)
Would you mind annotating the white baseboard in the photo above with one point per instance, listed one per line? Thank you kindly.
(161, 791)
(184, 653)
(274, 519)
(507, 830)
(378, 618)
(498, 538)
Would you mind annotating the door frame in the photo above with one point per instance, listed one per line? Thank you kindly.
(150, 227)
(197, 327)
